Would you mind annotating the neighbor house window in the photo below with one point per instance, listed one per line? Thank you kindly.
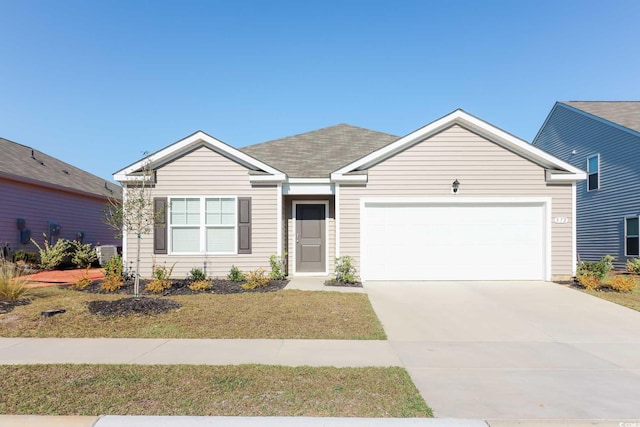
(203, 225)
(632, 238)
(593, 170)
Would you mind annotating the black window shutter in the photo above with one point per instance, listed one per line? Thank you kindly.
(160, 228)
(244, 225)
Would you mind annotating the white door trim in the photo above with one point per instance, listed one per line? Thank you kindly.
(293, 265)
(544, 202)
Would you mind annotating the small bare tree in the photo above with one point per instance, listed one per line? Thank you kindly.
(135, 214)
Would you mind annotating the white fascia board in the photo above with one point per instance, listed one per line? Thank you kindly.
(560, 177)
(309, 180)
(468, 121)
(315, 189)
(265, 179)
(174, 150)
(338, 177)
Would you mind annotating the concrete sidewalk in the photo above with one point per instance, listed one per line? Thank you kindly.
(147, 351)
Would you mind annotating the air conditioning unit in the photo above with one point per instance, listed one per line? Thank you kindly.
(105, 253)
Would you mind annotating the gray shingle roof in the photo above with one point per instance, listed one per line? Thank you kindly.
(23, 162)
(317, 153)
(623, 113)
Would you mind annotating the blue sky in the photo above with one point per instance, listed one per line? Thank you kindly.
(97, 83)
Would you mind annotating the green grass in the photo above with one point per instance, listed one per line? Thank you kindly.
(286, 314)
(247, 390)
(627, 299)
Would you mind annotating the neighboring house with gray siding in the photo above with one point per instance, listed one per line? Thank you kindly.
(458, 199)
(604, 139)
(41, 194)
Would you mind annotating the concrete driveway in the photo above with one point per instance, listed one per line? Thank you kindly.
(522, 350)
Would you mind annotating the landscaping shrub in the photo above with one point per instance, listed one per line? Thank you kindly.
(161, 279)
(235, 275)
(84, 280)
(622, 283)
(589, 280)
(83, 254)
(26, 257)
(200, 285)
(52, 256)
(344, 269)
(598, 269)
(12, 285)
(278, 266)
(113, 274)
(256, 279)
(197, 275)
(633, 265)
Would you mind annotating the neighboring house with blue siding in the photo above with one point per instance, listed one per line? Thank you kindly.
(602, 138)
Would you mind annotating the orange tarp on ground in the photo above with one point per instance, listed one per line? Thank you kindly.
(61, 277)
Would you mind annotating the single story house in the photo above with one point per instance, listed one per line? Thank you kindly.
(458, 199)
(41, 194)
(603, 138)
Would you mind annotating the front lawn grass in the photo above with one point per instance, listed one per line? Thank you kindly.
(289, 314)
(627, 299)
(246, 390)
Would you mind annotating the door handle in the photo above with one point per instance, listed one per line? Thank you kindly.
(297, 237)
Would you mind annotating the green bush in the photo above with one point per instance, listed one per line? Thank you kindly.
(597, 269)
(26, 257)
(113, 274)
(52, 256)
(197, 275)
(12, 284)
(345, 270)
(83, 254)
(235, 274)
(256, 279)
(278, 266)
(633, 265)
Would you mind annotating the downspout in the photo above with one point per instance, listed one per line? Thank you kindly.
(279, 219)
(336, 208)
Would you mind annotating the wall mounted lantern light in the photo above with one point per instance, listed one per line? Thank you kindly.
(455, 186)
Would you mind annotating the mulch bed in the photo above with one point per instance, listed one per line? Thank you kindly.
(143, 305)
(8, 306)
(181, 287)
(126, 306)
(334, 282)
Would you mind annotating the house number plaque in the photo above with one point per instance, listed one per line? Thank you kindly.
(561, 220)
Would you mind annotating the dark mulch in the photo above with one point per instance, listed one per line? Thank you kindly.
(7, 306)
(127, 306)
(334, 282)
(181, 287)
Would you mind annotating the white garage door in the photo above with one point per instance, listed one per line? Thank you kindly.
(461, 241)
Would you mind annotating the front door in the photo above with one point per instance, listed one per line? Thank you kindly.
(310, 238)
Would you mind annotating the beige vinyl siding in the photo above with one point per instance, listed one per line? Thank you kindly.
(289, 236)
(483, 168)
(204, 172)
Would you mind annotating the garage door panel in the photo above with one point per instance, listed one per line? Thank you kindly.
(453, 242)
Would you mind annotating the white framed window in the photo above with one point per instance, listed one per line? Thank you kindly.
(632, 236)
(203, 225)
(593, 172)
